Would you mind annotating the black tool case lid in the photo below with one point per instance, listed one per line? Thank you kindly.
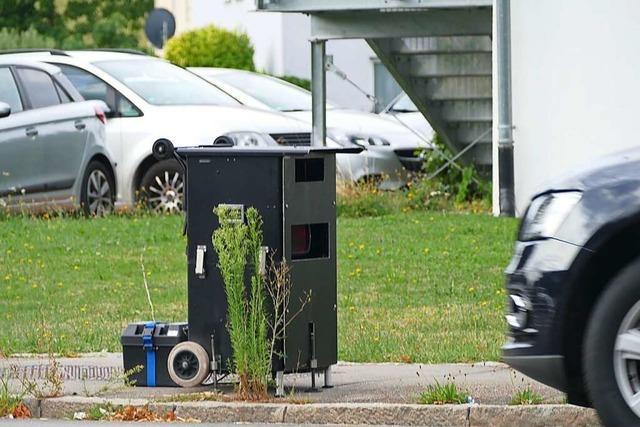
(280, 151)
(164, 334)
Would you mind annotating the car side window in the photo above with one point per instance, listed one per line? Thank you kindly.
(93, 88)
(64, 96)
(9, 90)
(39, 88)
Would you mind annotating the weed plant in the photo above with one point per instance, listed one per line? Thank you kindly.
(239, 246)
(442, 394)
(526, 397)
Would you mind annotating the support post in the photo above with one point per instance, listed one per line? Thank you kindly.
(318, 93)
(505, 125)
(280, 384)
(328, 377)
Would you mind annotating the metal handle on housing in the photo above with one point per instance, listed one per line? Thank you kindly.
(200, 251)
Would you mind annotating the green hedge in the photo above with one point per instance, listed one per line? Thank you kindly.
(211, 47)
(29, 39)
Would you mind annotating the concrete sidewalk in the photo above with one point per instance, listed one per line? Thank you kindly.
(363, 393)
(488, 382)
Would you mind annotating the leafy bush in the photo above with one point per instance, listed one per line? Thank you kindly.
(298, 81)
(211, 47)
(11, 39)
(465, 184)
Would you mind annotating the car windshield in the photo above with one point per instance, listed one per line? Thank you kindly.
(280, 96)
(404, 105)
(161, 83)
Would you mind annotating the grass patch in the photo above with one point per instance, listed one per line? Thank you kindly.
(10, 403)
(526, 397)
(442, 394)
(413, 287)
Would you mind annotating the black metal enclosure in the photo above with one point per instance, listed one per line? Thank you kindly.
(293, 189)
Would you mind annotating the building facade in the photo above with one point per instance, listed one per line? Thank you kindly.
(575, 91)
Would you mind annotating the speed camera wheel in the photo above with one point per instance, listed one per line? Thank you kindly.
(188, 364)
(611, 351)
(162, 187)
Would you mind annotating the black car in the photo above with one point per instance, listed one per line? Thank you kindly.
(574, 289)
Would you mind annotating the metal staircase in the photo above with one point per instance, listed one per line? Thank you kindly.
(449, 80)
(439, 52)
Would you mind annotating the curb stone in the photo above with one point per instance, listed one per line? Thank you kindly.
(338, 413)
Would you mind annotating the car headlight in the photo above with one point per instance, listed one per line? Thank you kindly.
(250, 139)
(362, 140)
(546, 213)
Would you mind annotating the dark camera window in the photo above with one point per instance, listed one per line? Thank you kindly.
(309, 170)
(39, 87)
(310, 241)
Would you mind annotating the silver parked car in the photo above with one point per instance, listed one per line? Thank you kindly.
(391, 152)
(52, 142)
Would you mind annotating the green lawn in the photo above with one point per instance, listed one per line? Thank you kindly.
(420, 287)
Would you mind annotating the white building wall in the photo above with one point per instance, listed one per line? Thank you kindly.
(265, 30)
(575, 67)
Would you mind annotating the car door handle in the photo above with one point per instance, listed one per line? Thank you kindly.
(31, 131)
(79, 124)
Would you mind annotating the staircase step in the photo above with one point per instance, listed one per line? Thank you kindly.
(463, 64)
(453, 44)
(454, 87)
(466, 110)
(467, 132)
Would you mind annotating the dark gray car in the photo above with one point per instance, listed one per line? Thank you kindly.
(52, 143)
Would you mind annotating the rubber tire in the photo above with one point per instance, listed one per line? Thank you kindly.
(203, 364)
(613, 305)
(157, 169)
(93, 165)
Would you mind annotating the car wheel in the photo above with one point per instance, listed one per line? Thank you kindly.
(162, 187)
(611, 351)
(97, 194)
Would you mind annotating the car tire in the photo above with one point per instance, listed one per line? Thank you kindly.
(97, 194)
(613, 322)
(162, 187)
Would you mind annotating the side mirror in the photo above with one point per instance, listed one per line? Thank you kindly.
(5, 110)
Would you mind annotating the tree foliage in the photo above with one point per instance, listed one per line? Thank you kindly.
(76, 23)
(30, 38)
(211, 47)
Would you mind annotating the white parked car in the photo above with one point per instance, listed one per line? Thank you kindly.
(52, 143)
(382, 136)
(150, 98)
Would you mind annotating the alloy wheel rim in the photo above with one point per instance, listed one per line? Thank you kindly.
(626, 358)
(166, 192)
(99, 196)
